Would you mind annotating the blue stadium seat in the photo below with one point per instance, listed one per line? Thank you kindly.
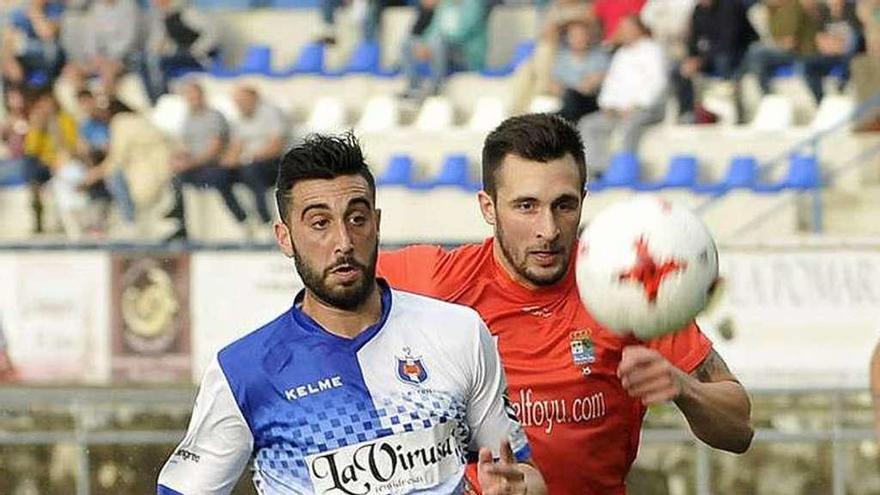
(456, 172)
(521, 54)
(803, 174)
(224, 4)
(741, 174)
(293, 4)
(309, 61)
(257, 60)
(788, 70)
(398, 173)
(624, 171)
(683, 172)
(365, 59)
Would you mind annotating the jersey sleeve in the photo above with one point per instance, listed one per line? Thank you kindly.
(217, 445)
(489, 414)
(686, 348)
(412, 269)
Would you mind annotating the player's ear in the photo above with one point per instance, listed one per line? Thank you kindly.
(378, 219)
(487, 207)
(282, 237)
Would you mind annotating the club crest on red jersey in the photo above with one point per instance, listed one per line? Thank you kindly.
(582, 350)
(410, 369)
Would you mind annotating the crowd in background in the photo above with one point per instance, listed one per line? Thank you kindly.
(612, 64)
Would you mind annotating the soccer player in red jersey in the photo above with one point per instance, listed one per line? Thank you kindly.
(579, 390)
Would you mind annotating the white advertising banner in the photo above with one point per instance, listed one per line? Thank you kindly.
(234, 293)
(55, 315)
(798, 317)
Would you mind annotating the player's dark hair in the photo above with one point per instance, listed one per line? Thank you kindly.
(539, 137)
(320, 156)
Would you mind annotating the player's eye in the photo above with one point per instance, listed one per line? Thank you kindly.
(358, 219)
(320, 223)
(567, 206)
(524, 206)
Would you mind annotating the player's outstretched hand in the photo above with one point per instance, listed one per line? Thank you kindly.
(504, 477)
(645, 374)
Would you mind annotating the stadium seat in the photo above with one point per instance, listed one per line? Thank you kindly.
(365, 59)
(398, 173)
(833, 110)
(803, 174)
(309, 61)
(169, 114)
(775, 113)
(257, 60)
(223, 4)
(381, 113)
(436, 114)
(624, 171)
(683, 172)
(293, 4)
(521, 54)
(456, 172)
(741, 174)
(327, 115)
(488, 113)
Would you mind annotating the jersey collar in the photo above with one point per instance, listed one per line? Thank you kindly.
(310, 326)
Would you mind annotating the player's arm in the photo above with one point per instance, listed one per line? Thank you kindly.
(875, 387)
(217, 445)
(715, 404)
(504, 461)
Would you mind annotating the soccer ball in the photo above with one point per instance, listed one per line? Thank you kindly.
(646, 266)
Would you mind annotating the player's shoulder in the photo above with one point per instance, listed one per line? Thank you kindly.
(252, 347)
(410, 304)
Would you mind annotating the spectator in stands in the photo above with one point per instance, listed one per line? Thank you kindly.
(257, 143)
(579, 70)
(866, 67)
(94, 128)
(455, 39)
(180, 38)
(611, 12)
(669, 22)
(632, 94)
(30, 52)
(197, 159)
(718, 39)
(14, 130)
(535, 76)
(49, 145)
(136, 169)
(838, 40)
(113, 44)
(793, 32)
(369, 11)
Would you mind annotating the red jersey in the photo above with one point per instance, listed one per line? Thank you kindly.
(610, 12)
(561, 365)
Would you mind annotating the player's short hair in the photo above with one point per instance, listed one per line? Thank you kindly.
(320, 156)
(539, 137)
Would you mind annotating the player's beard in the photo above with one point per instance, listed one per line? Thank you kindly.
(345, 297)
(519, 260)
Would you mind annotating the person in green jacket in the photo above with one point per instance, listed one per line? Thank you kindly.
(456, 39)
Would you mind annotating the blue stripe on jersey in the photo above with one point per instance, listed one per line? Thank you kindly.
(302, 392)
(164, 490)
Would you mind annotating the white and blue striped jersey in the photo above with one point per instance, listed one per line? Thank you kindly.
(397, 409)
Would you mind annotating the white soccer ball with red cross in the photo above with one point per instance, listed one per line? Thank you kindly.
(646, 266)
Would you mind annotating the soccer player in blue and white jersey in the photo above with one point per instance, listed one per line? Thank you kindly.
(358, 388)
